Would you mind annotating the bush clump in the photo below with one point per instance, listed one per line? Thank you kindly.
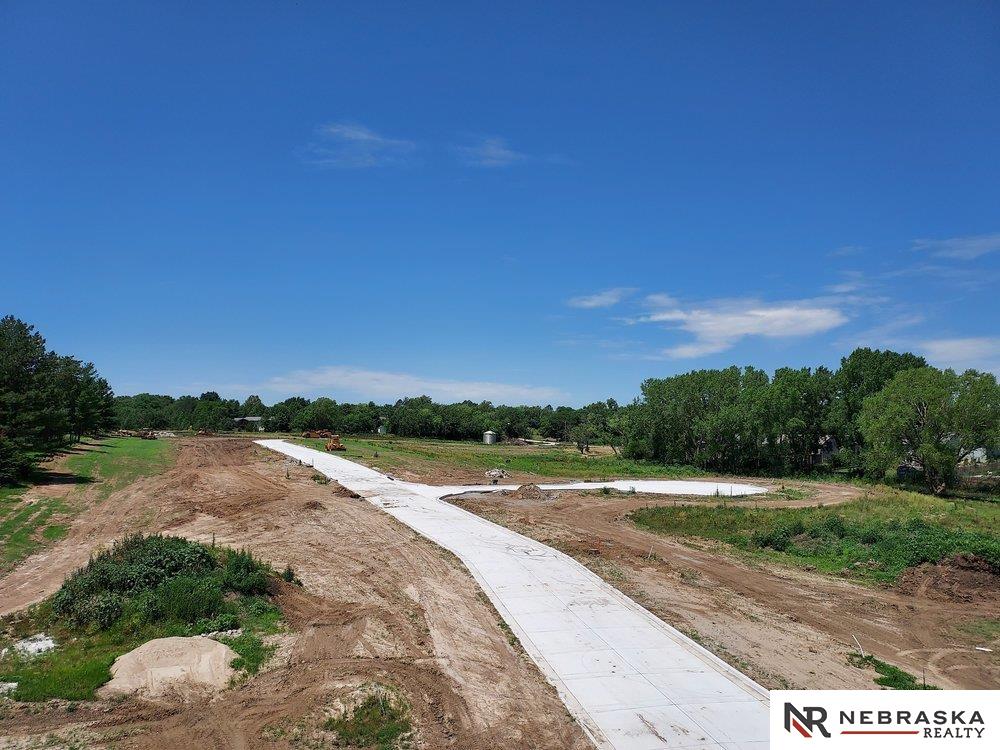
(143, 587)
(143, 579)
(243, 574)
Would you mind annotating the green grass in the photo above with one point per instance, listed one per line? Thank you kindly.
(251, 651)
(54, 532)
(382, 721)
(791, 493)
(982, 629)
(425, 456)
(110, 465)
(140, 589)
(80, 664)
(20, 524)
(117, 462)
(874, 538)
(890, 677)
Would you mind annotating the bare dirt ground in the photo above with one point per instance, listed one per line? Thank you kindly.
(783, 626)
(378, 604)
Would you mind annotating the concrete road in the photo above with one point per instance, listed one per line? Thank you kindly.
(632, 681)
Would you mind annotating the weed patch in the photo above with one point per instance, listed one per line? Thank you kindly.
(890, 677)
(251, 651)
(873, 538)
(983, 629)
(382, 721)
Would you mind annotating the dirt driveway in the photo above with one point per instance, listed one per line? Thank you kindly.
(378, 604)
(782, 626)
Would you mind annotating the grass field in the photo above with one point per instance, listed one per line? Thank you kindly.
(26, 526)
(874, 538)
(427, 456)
(107, 466)
(116, 462)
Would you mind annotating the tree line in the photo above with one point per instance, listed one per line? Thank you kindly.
(408, 417)
(878, 410)
(47, 400)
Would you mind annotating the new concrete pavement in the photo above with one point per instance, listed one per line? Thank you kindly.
(632, 681)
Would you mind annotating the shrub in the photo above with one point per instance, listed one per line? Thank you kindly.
(145, 579)
(189, 599)
(100, 610)
(836, 526)
(223, 621)
(243, 574)
(129, 567)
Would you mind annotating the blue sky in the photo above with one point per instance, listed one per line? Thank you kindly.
(520, 202)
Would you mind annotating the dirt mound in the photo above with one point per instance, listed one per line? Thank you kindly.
(529, 493)
(184, 667)
(961, 578)
(341, 491)
(312, 505)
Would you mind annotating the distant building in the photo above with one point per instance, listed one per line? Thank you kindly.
(249, 423)
(489, 437)
(978, 456)
(827, 448)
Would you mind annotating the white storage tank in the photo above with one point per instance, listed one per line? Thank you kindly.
(489, 437)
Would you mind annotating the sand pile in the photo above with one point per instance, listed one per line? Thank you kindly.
(183, 667)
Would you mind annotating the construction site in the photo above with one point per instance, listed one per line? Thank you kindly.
(502, 609)
(499, 376)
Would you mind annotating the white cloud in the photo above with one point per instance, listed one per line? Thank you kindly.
(854, 281)
(884, 334)
(351, 146)
(979, 353)
(717, 326)
(660, 300)
(961, 248)
(845, 251)
(377, 384)
(489, 152)
(607, 298)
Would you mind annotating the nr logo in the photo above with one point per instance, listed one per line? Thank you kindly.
(810, 719)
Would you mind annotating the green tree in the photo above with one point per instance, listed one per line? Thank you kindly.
(22, 395)
(253, 407)
(46, 400)
(321, 414)
(931, 419)
(281, 416)
(863, 373)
